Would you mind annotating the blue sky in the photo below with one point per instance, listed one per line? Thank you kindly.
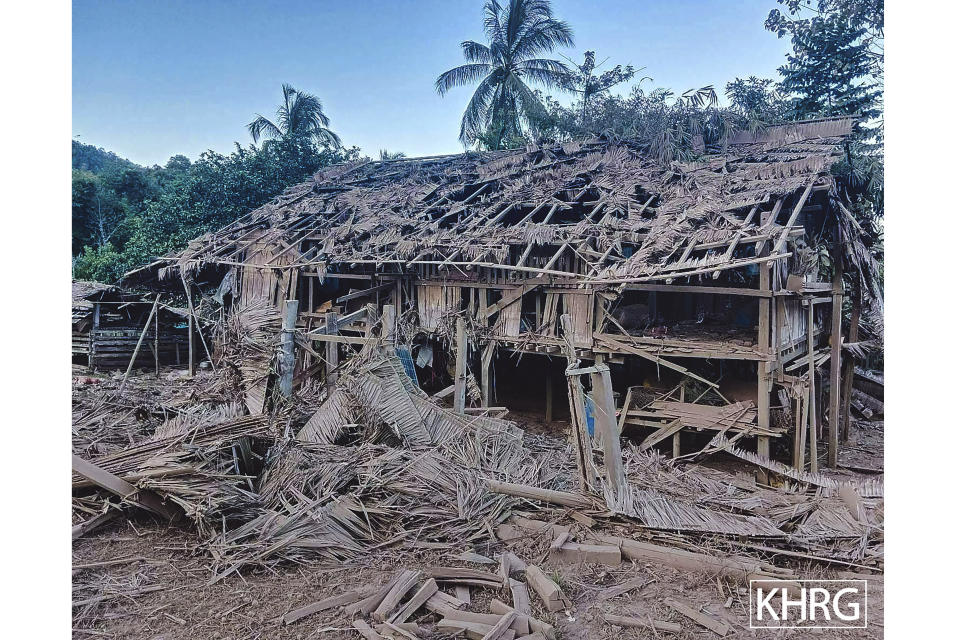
(154, 78)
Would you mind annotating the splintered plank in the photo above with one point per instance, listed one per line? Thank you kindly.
(521, 596)
(535, 625)
(396, 593)
(720, 627)
(419, 598)
(366, 631)
(473, 630)
(548, 590)
(642, 623)
(444, 603)
(499, 630)
(322, 605)
(371, 602)
(595, 553)
(459, 575)
(620, 589)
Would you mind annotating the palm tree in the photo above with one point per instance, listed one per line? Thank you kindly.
(301, 114)
(518, 33)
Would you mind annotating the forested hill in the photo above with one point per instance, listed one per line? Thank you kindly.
(125, 215)
(87, 157)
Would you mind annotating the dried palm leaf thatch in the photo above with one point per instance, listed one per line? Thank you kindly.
(248, 341)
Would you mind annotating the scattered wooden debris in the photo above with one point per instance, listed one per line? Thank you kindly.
(642, 623)
(720, 627)
(322, 605)
(548, 590)
(419, 598)
(579, 553)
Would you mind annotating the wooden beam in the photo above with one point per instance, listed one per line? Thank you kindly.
(364, 292)
(682, 288)
(782, 240)
(632, 349)
(140, 497)
(508, 299)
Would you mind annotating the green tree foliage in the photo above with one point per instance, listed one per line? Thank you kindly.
(188, 199)
(866, 15)
(300, 115)
(758, 100)
(836, 68)
(668, 126)
(519, 33)
(584, 82)
(830, 71)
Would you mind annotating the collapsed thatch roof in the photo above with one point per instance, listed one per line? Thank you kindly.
(628, 216)
(84, 290)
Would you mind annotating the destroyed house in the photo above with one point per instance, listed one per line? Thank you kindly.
(694, 289)
(108, 322)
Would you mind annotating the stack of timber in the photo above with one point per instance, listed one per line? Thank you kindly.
(669, 416)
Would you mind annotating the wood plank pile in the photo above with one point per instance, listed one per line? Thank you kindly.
(414, 603)
(736, 417)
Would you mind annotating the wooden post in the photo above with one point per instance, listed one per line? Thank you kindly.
(136, 350)
(486, 382)
(548, 414)
(389, 327)
(460, 379)
(763, 370)
(332, 356)
(190, 356)
(676, 436)
(812, 374)
(370, 319)
(605, 424)
(798, 434)
(835, 341)
(92, 348)
(849, 366)
(156, 343)
(288, 327)
(583, 448)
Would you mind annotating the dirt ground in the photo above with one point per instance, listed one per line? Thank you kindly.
(139, 578)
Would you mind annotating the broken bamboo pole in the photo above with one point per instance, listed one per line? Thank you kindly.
(136, 349)
(196, 321)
